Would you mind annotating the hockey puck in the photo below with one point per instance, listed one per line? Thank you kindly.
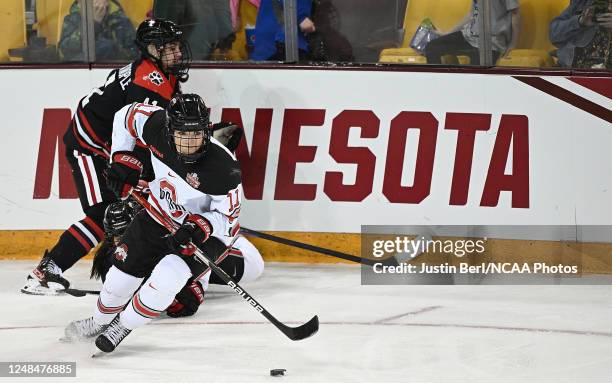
(277, 372)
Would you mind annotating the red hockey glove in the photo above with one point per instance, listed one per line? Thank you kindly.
(123, 174)
(195, 229)
(187, 301)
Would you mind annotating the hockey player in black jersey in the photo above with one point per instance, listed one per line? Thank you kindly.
(197, 184)
(153, 79)
(242, 256)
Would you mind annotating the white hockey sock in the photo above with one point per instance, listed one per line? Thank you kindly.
(157, 293)
(253, 262)
(116, 292)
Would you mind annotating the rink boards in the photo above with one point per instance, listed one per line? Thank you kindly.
(327, 151)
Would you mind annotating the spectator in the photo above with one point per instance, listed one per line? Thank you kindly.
(207, 23)
(463, 39)
(582, 34)
(270, 33)
(114, 33)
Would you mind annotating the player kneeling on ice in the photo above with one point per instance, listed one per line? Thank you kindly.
(243, 260)
(197, 184)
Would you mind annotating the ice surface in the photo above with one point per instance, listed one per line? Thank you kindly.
(367, 334)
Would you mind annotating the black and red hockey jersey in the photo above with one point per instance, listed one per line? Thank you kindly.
(141, 81)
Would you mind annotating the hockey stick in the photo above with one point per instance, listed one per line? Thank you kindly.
(294, 333)
(392, 261)
(81, 293)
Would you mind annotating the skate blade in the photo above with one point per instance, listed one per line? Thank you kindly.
(42, 292)
(66, 339)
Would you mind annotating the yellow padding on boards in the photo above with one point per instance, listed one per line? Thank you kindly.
(595, 258)
(31, 244)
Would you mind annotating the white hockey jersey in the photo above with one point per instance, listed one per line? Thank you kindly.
(211, 187)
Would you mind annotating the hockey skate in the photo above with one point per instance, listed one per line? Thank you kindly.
(112, 336)
(82, 330)
(45, 279)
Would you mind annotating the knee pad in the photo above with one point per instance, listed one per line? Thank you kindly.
(169, 275)
(120, 284)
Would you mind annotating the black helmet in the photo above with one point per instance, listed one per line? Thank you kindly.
(117, 217)
(188, 113)
(160, 32)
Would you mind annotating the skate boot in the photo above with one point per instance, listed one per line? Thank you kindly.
(112, 336)
(83, 329)
(45, 279)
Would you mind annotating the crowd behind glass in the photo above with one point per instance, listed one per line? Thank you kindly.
(511, 33)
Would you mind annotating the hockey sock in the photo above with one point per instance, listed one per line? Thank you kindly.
(76, 242)
(116, 292)
(253, 262)
(157, 293)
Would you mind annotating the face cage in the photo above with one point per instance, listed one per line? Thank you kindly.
(115, 229)
(195, 156)
(181, 68)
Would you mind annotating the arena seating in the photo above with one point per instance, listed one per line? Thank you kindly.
(443, 14)
(533, 48)
(12, 27)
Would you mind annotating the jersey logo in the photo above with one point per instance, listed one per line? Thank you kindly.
(155, 77)
(121, 252)
(192, 179)
(167, 192)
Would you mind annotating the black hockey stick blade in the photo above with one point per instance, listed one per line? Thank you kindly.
(81, 293)
(304, 331)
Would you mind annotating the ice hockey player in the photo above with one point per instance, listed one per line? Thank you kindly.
(197, 184)
(153, 79)
(242, 256)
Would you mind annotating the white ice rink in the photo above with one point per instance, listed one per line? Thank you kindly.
(368, 333)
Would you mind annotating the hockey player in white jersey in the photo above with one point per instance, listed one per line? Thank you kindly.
(197, 184)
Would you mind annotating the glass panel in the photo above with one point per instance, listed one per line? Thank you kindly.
(357, 30)
(113, 30)
(434, 32)
(581, 33)
(13, 31)
(532, 46)
(214, 29)
(56, 32)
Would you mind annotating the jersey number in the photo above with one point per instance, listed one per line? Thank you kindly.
(234, 197)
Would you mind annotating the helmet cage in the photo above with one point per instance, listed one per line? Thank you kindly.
(160, 33)
(117, 218)
(189, 120)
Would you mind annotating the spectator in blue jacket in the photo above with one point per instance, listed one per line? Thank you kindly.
(582, 34)
(270, 34)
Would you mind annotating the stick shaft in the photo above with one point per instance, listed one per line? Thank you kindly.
(316, 249)
(298, 333)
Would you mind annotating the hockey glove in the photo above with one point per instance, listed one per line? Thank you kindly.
(123, 174)
(195, 229)
(187, 301)
(228, 133)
